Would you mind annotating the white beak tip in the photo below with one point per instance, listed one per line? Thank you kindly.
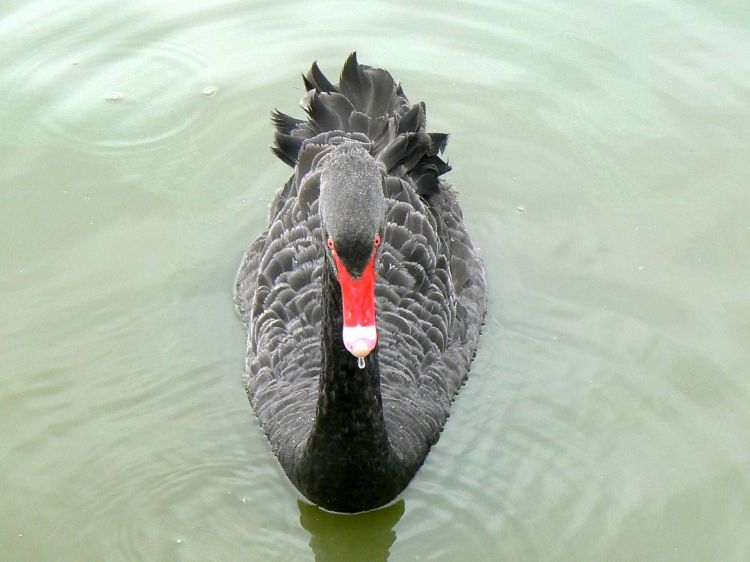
(360, 340)
(360, 348)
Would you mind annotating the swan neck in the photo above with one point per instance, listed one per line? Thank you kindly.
(349, 396)
(347, 464)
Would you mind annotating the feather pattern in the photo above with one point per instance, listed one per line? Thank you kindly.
(430, 291)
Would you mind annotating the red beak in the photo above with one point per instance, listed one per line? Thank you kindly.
(358, 300)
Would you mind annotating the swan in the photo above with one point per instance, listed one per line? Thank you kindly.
(363, 297)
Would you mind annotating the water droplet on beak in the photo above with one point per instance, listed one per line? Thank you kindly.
(361, 362)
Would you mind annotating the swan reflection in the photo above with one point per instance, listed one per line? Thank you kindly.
(365, 537)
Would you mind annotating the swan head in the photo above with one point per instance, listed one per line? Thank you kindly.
(352, 213)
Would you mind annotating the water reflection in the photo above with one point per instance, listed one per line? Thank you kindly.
(366, 537)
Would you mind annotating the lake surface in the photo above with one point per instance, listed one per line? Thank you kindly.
(603, 160)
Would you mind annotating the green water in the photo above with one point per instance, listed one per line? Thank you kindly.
(602, 152)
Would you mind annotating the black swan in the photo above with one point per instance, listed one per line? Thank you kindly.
(364, 296)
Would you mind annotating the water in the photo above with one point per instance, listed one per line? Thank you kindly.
(602, 157)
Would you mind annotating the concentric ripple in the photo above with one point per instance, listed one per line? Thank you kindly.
(113, 83)
(127, 97)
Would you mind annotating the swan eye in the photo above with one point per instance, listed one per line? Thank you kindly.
(377, 240)
(330, 244)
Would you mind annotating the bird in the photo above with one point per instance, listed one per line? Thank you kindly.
(363, 298)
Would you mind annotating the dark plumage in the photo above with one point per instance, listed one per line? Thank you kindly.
(364, 167)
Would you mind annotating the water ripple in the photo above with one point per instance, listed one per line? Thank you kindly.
(125, 98)
(117, 86)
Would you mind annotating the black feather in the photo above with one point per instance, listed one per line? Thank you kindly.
(438, 142)
(308, 85)
(412, 120)
(284, 123)
(287, 147)
(330, 112)
(318, 80)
